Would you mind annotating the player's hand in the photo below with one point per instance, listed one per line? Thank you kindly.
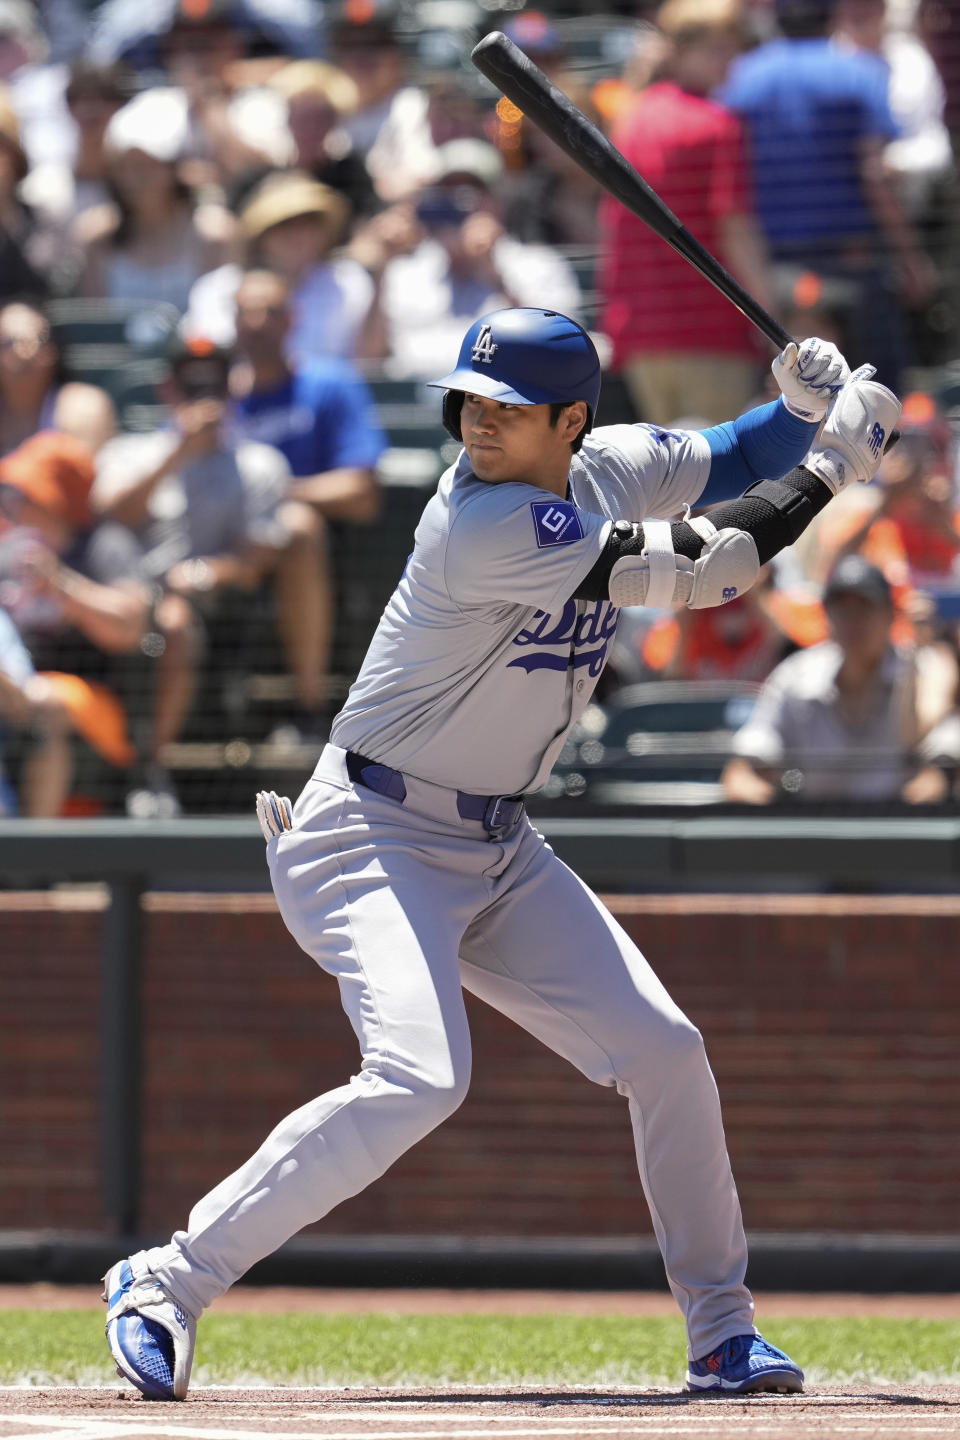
(810, 375)
(850, 446)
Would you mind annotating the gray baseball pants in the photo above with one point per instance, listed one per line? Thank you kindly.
(407, 905)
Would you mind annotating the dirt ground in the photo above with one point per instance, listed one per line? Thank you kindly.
(500, 1414)
(213, 1413)
(280, 1300)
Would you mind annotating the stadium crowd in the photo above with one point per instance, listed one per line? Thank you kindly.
(235, 240)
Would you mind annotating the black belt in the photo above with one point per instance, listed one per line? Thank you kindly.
(497, 812)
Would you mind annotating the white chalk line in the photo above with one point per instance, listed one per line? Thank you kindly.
(87, 1430)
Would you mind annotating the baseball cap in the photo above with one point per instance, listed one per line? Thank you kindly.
(201, 12)
(155, 122)
(198, 365)
(364, 24)
(54, 471)
(286, 195)
(316, 79)
(853, 575)
(471, 159)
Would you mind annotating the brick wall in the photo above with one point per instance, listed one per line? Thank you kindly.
(833, 1025)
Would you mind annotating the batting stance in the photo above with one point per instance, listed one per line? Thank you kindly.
(408, 868)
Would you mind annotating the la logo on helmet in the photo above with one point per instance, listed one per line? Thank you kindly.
(484, 349)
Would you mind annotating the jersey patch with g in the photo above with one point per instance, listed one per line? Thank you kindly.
(556, 522)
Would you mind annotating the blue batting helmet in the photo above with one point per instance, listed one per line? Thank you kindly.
(523, 357)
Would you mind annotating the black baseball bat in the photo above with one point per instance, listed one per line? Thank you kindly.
(521, 81)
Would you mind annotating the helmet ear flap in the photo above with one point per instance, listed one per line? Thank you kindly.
(452, 405)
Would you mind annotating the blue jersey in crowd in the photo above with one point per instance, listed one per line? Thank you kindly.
(808, 107)
(323, 418)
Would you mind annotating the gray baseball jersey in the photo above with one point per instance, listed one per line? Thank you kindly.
(479, 666)
(482, 662)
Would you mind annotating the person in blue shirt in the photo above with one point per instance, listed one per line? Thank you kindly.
(320, 416)
(818, 119)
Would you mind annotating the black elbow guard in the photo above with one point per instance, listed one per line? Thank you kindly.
(775, 512)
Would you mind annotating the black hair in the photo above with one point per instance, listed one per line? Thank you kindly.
(453, 404)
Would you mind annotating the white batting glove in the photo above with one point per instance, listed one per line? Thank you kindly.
(275, 814)
(855, 433)
(810, 375)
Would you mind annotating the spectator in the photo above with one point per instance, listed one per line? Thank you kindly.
(129, 30)
(548, 198)
(680, 343)
(33, 394)
(318, 100)
(938, 28)
(845, 719)
(213, 520)
(818, 122)
(205, 54)
(390, 126)
(33, 80)
(67, 187)
(319, 416)
(614, 95)
(292, 224)
(156, 241)
(76, 593)
(30, 261)
(27, 702)
(921, 156)
(443, 261)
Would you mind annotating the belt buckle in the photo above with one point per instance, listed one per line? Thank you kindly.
(493, 821)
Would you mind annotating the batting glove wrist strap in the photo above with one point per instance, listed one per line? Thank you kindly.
(853, 438)
(809, 375)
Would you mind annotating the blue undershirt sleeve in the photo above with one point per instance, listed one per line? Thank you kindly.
(761, 444)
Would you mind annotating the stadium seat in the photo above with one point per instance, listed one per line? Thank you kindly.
(656, 743)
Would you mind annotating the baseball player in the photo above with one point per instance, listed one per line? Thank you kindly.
(408, 868)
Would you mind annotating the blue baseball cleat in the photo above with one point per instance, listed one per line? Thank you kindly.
(151, 1336)
(745, 1365)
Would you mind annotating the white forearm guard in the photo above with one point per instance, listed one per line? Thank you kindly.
(727, 566)
(851, 444)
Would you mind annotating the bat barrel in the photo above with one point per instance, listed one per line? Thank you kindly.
(515, 74)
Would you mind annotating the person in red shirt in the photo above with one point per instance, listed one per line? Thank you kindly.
(683, 348)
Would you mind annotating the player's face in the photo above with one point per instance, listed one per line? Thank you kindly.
(516, 442)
